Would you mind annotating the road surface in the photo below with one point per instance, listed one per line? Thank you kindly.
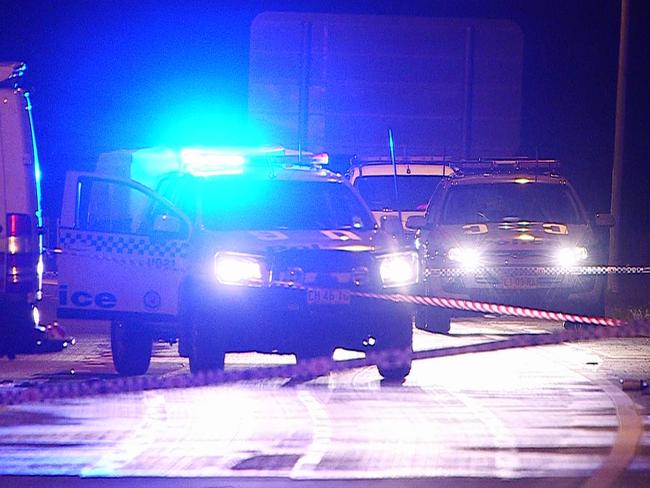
(529, 416)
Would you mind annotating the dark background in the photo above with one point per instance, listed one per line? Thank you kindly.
(127, 74)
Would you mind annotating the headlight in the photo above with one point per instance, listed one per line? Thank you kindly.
(36, 316)
(399, 269)
(239, 269)
(571, 256)
(466, 257)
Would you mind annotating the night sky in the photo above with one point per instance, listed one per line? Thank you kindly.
(123, 74)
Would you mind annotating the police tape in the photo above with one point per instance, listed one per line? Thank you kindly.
(536, 270)
(465, 305)
(491, 308)
(306, 370)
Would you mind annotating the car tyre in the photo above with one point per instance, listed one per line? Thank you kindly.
(590, 310)
(206, 353)
(131, 347)
(395, 356)
(432, 320)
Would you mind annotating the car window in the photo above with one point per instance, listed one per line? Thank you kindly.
(117, 207)
(534, 202)
(413, 191)
(105, 206)
(237, 203)
(182, 192)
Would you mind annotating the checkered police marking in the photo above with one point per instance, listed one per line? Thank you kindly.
(538, 270)
(125, 248)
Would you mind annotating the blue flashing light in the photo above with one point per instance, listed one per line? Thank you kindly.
(203, 162)
(149, 165)
(211, 161)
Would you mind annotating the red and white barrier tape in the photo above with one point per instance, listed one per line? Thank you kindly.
(320, 366)
(472, 306)
(305, 370)
(491, 308)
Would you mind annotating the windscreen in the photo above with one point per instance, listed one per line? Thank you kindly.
(533, 202)
(413, 192)
(236, 203)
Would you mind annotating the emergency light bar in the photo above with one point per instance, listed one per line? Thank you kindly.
(206, 161)
(149, 165)
(507, 165)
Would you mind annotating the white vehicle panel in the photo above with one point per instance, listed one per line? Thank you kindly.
(105, 272)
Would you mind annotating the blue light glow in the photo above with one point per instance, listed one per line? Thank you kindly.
(195, 116)
(206, 161)
(39, 202)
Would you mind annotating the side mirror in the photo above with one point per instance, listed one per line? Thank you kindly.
(392, 224)
(416, 222)
(605, 220)
(167, 224)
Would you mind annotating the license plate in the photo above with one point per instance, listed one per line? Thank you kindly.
(320, 296)
(519, 282)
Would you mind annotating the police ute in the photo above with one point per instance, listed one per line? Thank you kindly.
(230, 250)
(509, 231)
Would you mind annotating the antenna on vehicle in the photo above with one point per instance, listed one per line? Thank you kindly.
(391, 147)
(444, 161)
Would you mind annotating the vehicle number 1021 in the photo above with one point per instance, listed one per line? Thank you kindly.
(322, 296)
(161, 262)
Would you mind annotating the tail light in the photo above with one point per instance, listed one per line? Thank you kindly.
(21, 260)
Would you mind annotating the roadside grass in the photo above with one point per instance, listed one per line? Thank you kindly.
(632, 301)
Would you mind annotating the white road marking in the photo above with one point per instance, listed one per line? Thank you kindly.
(321, 437)
(141, 439)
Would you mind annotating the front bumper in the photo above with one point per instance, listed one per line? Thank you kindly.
(277, 319)
(536, 287)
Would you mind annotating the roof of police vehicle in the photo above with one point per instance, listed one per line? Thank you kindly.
(496, 178)
(150, 165)
(507, 170)
(413, 165)
(279, 172)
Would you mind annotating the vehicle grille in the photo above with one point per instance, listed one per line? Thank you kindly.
(516, 257)
(324, 268)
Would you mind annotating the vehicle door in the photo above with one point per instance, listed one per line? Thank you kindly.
(122, 248)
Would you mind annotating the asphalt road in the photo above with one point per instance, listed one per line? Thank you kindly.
(522, 417)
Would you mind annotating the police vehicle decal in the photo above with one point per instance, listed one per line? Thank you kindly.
(559, 229)
(340, 235)
(125, 249)
(269, 235)
(475, 229)
(83, 298)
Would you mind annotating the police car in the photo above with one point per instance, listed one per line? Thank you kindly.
(510, 232)
(398, 190)
(258, 250)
